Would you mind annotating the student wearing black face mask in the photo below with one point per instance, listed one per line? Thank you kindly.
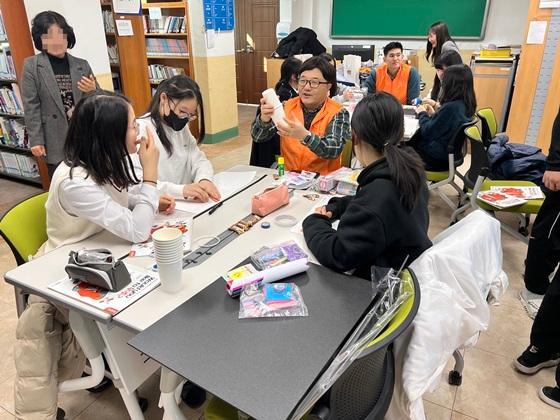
(183, 170)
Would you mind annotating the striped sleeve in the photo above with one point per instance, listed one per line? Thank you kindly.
(331, 145)
(261, 131)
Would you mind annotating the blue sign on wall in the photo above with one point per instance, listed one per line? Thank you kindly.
(219, 14)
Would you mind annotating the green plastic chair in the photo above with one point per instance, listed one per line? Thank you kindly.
(24, 228)
(489, 125)
(365, 389)
(476, 180)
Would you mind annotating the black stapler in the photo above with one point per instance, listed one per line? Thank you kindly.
(98, 268)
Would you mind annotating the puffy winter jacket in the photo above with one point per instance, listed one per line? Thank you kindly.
(300, 41)
(515, 161)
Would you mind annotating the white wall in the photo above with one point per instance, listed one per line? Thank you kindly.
(86, 19)
(505, 24)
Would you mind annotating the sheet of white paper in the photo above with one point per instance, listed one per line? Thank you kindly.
(323, 201)
(124, 27)
(228, 183)
(410, 127)
(130, 7)
(549, 4)
(155, 13)
(537, 32)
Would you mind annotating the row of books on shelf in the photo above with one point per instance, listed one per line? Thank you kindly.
(13, 133)
(2, 28)
(19, 165)
(7, 68)
(113, 53)
(166, 24)
(166, 46)
(159, 72)
(108, 21)
(10, 100)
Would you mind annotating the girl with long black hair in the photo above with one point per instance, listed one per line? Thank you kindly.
(387, 220)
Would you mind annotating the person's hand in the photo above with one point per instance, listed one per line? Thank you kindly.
(87, 83)
(149, 156)
(266, 111)
(551, 180)
(323, 211)
(195, 192)
(39, 151)
(430, 110)
(428, 101)
(292, 128)
(166, 204)
(210, 188)
(421, 108)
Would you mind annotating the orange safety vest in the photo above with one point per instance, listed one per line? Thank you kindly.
(297, 156)
(398, 86)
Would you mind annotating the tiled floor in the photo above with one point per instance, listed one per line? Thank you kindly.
(490, 390)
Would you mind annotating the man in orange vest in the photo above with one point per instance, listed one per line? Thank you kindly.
(394, 76)
(315, 128)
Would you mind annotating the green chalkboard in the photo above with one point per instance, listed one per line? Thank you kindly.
(407, 18)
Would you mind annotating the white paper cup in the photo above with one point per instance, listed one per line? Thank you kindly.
(170, 276)
(166, 234)
(271, 98)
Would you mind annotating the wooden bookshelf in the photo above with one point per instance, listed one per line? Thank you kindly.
(18, 37)
(111, 40)
(178, 9)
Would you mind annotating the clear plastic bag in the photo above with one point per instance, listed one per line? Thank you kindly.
(390, 293)
(268, 257)
(271, 300)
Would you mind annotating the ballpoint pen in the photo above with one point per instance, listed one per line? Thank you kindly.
(214, 208)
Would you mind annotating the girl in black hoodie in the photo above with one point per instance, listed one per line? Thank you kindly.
(387, 220)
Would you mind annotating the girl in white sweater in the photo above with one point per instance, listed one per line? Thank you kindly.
(93, 189)
(183, 170)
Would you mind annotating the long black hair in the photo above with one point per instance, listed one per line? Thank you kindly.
(96, 139)
(447, 59)
(176, 88)
(325, 67)
(457, 84)
(378, 120)
(442, 36)
(42, 22)
(290, 67)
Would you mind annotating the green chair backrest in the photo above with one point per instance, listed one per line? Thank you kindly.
(479, 156)
(24, 227)
(346, 156)
(406, 313)
(489, 124)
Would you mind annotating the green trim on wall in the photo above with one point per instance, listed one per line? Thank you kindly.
(221, 135)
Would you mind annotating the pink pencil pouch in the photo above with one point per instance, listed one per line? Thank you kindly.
(269, 200)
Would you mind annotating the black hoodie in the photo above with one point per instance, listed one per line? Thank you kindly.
(375, 228)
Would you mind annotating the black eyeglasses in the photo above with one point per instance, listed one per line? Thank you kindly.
(314, 83)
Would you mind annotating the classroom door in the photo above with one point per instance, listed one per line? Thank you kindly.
(255, 39)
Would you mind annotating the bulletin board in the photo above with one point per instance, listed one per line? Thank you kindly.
(219, 14)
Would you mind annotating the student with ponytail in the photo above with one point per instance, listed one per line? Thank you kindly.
(387, 220)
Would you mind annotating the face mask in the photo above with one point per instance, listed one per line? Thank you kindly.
(174, 121)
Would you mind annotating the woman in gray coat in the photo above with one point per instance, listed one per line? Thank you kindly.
(53, 82)
(439, 41)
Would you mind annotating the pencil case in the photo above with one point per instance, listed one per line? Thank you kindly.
(269, 200)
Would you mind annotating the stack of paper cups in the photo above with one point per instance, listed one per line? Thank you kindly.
(271, 98)
(168, 249)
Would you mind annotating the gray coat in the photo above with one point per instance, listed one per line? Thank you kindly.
(45, 117)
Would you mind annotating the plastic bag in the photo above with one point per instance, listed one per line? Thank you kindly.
(271, 300)
(390, 293)
(268, 257)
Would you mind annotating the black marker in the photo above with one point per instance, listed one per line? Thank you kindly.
(216, 207)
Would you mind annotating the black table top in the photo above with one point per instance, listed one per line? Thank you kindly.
(262, 366)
